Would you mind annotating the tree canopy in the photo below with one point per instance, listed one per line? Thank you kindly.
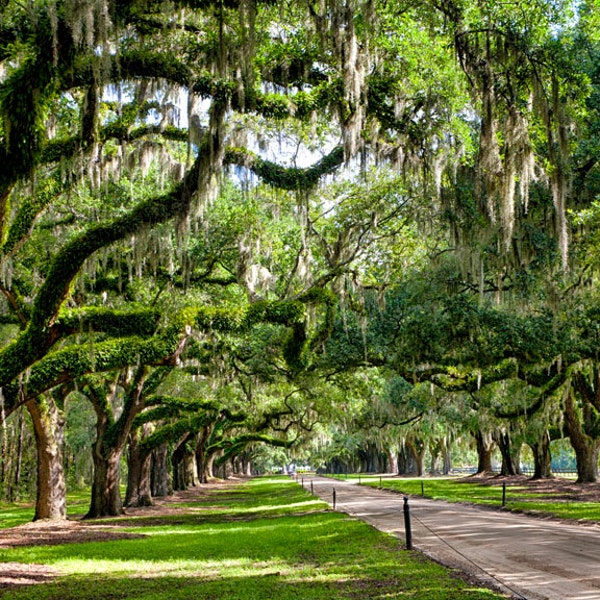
(239, 222)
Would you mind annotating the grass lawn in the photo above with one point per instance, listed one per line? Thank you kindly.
(518, 498)
(264, 539)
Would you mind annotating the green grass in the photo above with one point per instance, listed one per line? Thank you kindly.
(12, 515)
(15, 514)
(518, 498)
(452, 490)
(262, 540)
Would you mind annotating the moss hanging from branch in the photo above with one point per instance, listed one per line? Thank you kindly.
(335, 24)
(35, 341)
(514, 88)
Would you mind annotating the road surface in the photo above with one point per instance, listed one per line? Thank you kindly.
(522, 556)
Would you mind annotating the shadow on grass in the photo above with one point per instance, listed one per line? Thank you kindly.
(263, 587)
(320, 556)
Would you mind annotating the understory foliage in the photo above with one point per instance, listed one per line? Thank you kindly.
(240, 223)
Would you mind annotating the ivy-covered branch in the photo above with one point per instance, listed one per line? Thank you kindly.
(161, 407)
(41, 333)
(117, 323)
(455, 379)
(77, 361)
(233, 446)
(174, 431)
(27, 212)
(287, 178)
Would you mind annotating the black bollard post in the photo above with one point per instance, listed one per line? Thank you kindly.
(504, 493)
(312, 488)
(407, 527)
(422, 489)
(334, 499)
(302, 480)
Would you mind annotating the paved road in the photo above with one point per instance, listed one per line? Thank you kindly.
(524, 557)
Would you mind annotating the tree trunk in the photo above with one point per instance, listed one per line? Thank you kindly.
(484, 453)
(392, 461)
(509, 466)
(181, 478)
(435, 455)
(417, 449)
(447, 456)
(49, 424)
(139, 491)
(210, 466)
(406, 461)
(585, 446)
(201, 454)
(160, 477)
(372, 459)
(19, 465)
(106, 494)
(542, 459)
(190, 469)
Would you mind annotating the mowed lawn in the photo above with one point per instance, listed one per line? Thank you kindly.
(264, 539)
(578, 505)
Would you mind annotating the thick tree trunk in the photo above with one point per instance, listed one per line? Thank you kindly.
(19, 459)
(586, 447)
(435, 452)
(182, 478)
(509, 466)
(484, 453)
(392, 461)
(417, 448)
(112, 434)
(406, 461)
(447, 457)
(106, 494)
(201, 454)
(210, 466)
(542, 459)
(370, 458)
(190, 469)
(228, 469)
(160, 476)
(139, 491)
(204, 473)
(178, 472)
(48, 424)
(217, 465)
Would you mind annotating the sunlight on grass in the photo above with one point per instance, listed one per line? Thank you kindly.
(210, 569)
(13, 515)
(518, 498)
(266, 508)
(250, 551)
